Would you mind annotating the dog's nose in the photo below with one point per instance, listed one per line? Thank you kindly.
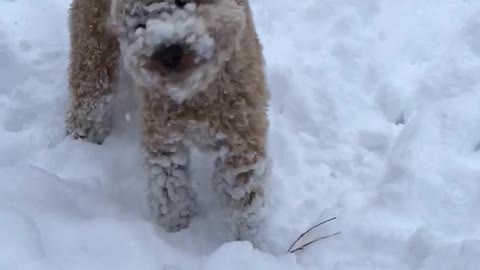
(170, 56)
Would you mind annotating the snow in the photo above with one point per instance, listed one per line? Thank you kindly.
(375, 120)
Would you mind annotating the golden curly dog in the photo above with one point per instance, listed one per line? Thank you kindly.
(198, 68)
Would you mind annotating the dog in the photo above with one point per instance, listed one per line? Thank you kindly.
(198, 68)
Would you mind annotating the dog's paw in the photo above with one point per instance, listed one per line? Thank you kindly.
(174, 220)
(89, 123)
(172, 201)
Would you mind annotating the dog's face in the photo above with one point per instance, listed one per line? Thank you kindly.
(177, 46)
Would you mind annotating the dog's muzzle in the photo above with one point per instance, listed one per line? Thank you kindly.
(171, 36)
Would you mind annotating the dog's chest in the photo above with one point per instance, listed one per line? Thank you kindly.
(204, 138)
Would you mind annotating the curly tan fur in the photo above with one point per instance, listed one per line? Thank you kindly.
(92, 71)
(225, 113)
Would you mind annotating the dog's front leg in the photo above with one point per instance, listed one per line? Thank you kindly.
(170, 193)
(240, 179)
(92, 71)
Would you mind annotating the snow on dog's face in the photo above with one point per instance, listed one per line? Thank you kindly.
(177, 46)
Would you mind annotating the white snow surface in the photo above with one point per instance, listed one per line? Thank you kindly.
(375, 119)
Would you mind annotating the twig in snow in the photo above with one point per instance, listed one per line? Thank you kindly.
(309, 230)
(313, 241)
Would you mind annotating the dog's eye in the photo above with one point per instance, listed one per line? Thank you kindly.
(181, 3)
(140, 25)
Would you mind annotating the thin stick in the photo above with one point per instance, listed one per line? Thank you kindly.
(303, 234)
(313, 241)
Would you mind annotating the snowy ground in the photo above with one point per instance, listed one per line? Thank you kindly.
(375, 120)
